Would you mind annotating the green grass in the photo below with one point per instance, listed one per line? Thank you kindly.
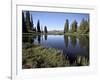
(49, 33)
(41, 57)
(56, 33)
(76, 34)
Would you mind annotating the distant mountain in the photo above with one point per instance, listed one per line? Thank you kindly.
(56, 31)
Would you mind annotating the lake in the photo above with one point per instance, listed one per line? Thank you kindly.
(75, 48)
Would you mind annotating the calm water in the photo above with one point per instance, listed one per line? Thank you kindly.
(72, 46)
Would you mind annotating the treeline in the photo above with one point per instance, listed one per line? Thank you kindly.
(28, 25)
(83, 28)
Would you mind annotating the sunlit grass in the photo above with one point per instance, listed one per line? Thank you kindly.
(41, 57)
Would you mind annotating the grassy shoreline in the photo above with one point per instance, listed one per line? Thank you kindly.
(40, 57)
(61, 33)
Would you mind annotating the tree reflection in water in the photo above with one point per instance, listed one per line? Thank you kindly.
(83, 41)
(66, 40)
(77, 60)
(45, 36)
(39, 39)
(73, 40)
(28, 40)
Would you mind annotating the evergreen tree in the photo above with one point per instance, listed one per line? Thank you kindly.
(74, 26)
(28, 26)
(23, 23)
(84, 26)
(45, 30)
(38, 26)
(87, 29)
(31, 23)
(66, 26)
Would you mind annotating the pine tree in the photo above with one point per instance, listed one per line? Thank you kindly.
(66, 26)
(28, 26)
(84, 26)
(32, 27)
(23, 23)
(45, 30)
(74, 26)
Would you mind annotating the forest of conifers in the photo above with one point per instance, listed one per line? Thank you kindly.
(29, 27)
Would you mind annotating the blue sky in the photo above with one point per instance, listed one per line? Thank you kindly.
(56, 20)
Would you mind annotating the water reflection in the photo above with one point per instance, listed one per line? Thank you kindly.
(73, 40)
(66, 40)
(83, 41)
(39, 39)
(28, 38)
(45, 36)
(77, 53)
